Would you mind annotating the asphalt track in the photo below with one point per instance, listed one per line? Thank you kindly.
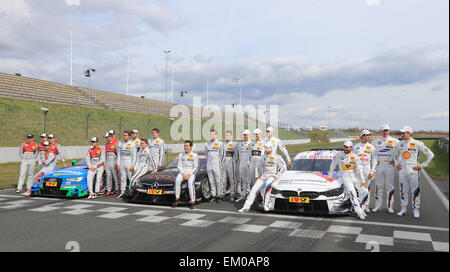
(110, 224)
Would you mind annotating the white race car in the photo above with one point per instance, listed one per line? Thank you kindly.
(305, 188)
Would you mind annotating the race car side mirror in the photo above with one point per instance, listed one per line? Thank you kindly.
(74, 162)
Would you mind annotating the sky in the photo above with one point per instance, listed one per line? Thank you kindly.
(371, 61)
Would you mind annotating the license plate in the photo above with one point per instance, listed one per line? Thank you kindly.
(154, 192)
(304, 200)
(51, 184)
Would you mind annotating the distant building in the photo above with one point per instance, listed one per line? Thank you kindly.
(309, 128)
(323, 128)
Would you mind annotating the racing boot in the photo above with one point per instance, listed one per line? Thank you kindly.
(192, 206)
(176, 203)
(390, 210)
(121, 194)
(377, 208)
(416, 213)
(361, 214)
(243, 210)
(366, 209)
(402, 211)
(27, 193)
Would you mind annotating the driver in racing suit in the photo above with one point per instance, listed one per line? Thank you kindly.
(48, 164)
(270, 168)
(349, 162)
(214, 164)
(242, 160)
(256, 151)
(229, 148)
(368, 155)
(144, 162)
(42, 151)
(95, 160)
(126, 161)
(111, 164)
(187, 166)
(277, 143)
(28, 152)
(385, 169)
(407, 162)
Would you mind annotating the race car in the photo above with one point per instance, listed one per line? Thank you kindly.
(160, 186)
(305, 188)
(64, 182)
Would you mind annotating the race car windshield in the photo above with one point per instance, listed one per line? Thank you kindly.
(81, 163)
(319, 165)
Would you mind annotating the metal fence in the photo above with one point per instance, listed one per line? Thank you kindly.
(443, 144)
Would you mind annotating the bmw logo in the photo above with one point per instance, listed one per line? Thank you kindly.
(299, 190)
(379, 143)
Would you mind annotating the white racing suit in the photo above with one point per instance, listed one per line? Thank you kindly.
(56, 148)
(385, 170)
(214, 164)
(111, 162)
(157, 148)
(144, 163)
(368, 155)
(229, 167)
(407, 156)
(126, 159)
(271, 167)
(242, 160)
(48, 164)
(351, 169)
(187, 164)
(27, 153)
(255, 154)
(95, 158)
(278, 144)
(41, 155)
(137, 144)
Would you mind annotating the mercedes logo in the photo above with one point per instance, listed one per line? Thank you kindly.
(155, 185)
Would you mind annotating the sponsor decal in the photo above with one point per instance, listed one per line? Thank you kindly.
(259, 145)
(347, 166)
(368, 148)
(216, 145)
(190, 157)
(390, 143)
(352, 159)
(157, 142)
(271, 159)
(406, 155)
(412, 145)
(128, 145)
(230, 146)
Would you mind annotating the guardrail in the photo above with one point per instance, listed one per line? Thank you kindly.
(443, 145)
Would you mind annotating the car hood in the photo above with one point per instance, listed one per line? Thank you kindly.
(165, 176)
(307, 181)
(74, 171)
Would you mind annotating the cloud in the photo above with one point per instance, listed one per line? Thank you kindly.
(442, 115)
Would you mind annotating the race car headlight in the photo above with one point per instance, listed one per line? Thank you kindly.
(334, 192)
(75, 179)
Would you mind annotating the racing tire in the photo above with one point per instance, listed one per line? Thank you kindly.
(205, 189)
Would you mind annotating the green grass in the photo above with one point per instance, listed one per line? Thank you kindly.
(438, 168)
(68, 123)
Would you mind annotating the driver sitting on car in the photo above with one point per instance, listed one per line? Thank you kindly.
(187, 167)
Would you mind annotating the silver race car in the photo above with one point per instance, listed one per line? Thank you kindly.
(305, 188)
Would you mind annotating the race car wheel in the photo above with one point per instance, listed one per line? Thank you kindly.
(205, 189)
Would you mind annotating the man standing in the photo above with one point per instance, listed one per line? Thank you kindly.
(56, 148)
(111, 164)
(135, 139)
(28, 152)
(270, 168)
(126, 161)
(95, 160)
(349, 163)
(277, 143)
(187, 167)
(144, 162)
(48, 164)
(242, 160)
(256, 151)
(407, 162)
(157, 149)
(385, 170)
(229, 149)
(42, 151)
(214, 163)
(368, 155)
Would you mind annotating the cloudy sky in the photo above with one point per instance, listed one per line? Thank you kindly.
(372, 61)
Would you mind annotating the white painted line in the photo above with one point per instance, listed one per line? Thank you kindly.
(18, 202)
(113, 215)
(198, 223)
(250, 228)
(344, 229)
(148, 212)
(78, 207)
(234, 220)
(189, 216)
(292, 217)
(153, 218)
(111, 210)
(285, 224)
(382, 240)
(77, 212)
(435, 188)
(307, 233)
(45, 209)
(440, 246)
(418, 236)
